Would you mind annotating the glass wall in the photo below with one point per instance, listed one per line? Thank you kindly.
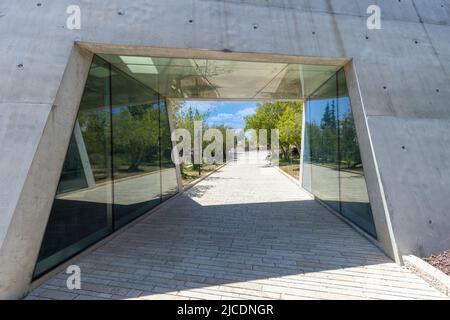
(135, 137)
(355, 203)
(332, 166)
(307, 167)
(324, 144)
(168, 172)
(117, 165)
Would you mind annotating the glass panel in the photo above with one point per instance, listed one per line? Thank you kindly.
(82, 207)
(169, 184)
(136, 162)
(306, 170)
(113, 164)
(324, 143)
(222, 79)
(354, 198)
(332, 154)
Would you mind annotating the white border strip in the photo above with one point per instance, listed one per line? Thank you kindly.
(434, 277)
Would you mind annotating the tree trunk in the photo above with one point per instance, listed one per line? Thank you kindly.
(285, 152)
(299, 149)
(134, 167)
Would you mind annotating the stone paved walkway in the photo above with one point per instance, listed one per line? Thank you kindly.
(245, 232)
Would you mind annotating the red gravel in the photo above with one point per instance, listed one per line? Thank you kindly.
(440, 261)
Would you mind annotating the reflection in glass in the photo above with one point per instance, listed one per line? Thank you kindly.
(181, 78)
(81, 210)
(135, 132)
(169, 184)
(333, 169)
(355, 203)
(306, 170)
(112, 170)
(324, 144)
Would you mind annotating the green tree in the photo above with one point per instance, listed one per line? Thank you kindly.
(93, 124)
(290, 127)
(184, 118)
(265, 117)
(283, 115)
(328, 143)
(350, 154)
(136, 133)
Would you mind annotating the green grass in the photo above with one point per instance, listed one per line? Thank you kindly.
(190, 173)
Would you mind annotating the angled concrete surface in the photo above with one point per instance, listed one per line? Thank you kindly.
(245, 232)
(35, 144)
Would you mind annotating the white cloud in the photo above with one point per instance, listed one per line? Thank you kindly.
(220, 117)
(234, 125)
(230, 114)
(203, 106)
(247, 111)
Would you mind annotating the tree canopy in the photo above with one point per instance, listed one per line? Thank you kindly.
(286, 116)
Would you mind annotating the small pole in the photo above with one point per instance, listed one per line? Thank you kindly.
(200, 158)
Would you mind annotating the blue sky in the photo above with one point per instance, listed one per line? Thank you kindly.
(228, 113)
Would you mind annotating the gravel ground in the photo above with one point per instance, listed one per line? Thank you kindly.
(441, 261)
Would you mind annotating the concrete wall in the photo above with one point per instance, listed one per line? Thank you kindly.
(403, 87)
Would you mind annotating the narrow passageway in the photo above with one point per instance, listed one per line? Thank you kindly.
(246, 232)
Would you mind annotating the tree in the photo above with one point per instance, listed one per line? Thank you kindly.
(93, 124)
(223, 130)
(290, 127)
(136, 133)
(184, 118)
(349, 142)
(283, 115)
(328, 143)
(266, 117)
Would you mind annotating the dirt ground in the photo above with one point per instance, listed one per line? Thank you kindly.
(440, 261)
(291, 169)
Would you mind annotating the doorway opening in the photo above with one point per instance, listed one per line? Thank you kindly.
(119, 165)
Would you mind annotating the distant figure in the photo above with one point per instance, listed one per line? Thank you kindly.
(269, 157)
